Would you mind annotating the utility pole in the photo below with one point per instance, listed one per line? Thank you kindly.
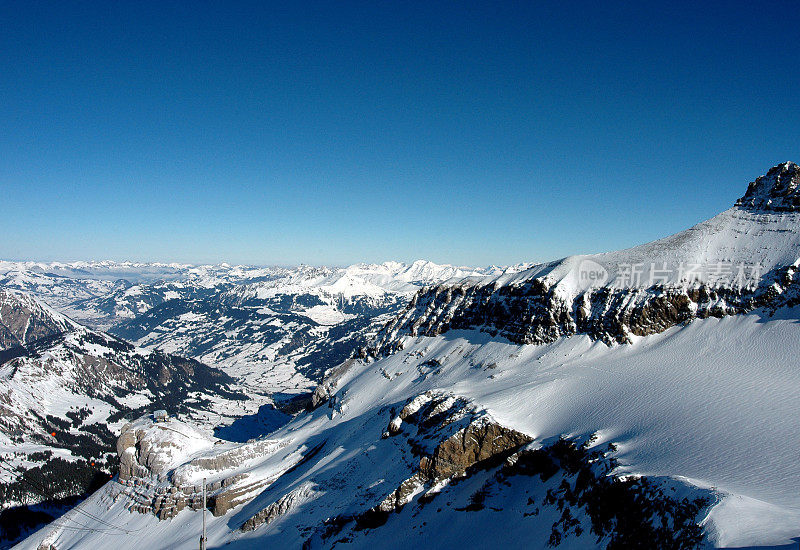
(203, 536)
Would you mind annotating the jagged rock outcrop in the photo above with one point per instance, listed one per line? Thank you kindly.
(479, 442)
(147, 452)
(280, 507)
(536, 312)
(474, 439)
(158, 463)
(775, 191)
(573, 480)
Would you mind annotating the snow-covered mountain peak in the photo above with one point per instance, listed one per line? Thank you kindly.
(743, 258)
(24, 320)
(777, 190)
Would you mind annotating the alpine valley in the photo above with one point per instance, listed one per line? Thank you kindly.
(644, 398)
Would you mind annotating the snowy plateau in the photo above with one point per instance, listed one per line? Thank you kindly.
(644, 398)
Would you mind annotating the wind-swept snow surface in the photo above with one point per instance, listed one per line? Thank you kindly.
(715, 404)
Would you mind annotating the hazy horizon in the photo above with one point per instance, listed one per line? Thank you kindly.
(336, 134)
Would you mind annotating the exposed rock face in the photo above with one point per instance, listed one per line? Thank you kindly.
(474, 439)
(278, 508)
(24, 320)
(479, 442)
(575, 479)
(156, 461)
(533, 312)
(776, 191)
(147, 451)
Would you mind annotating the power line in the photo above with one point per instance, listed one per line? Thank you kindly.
(43, 493)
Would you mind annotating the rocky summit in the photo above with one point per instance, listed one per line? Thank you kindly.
(776, 191)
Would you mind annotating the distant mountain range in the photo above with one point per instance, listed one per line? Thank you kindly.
(272, 331)
(644, 398)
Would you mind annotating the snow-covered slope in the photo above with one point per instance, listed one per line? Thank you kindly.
(741, 259)
(694, 420)
(522, 410)
(65, 392)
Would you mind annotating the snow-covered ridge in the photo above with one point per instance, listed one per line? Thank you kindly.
(102, 294)
(213, 274)
(359, 280)
(743, 258)
(47, 379)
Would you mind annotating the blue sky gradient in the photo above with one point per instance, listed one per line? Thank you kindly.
(333, 133)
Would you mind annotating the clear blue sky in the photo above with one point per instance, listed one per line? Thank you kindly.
(332, 133)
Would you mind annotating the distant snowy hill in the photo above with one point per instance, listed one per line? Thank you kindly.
(646, 398)
(273, 329)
